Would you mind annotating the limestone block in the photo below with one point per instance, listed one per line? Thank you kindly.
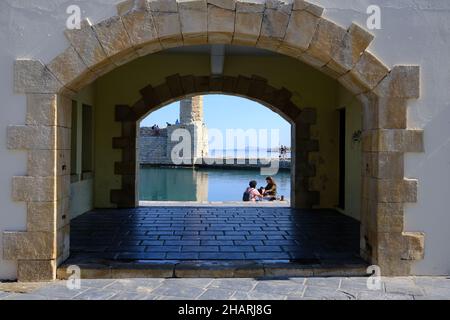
(389, 217)
(273, 29)
(63, 138)
(41, 216)
(64, 112)
(31, 137)
(403, 247)
(249, 16)
(167, 22)
(393, 140)
(140, 26)
(220, 25)
(126, 6)
(300, 31)
(309, 7)
(68, 68)
(398, 140)
(44, 163)
(36, 270)
(366, 75)
(114, 39)
(163, 5)
(85, 42)
(388, 165)
(401, 82)
(194, 21)
(414, 247)
(28, 245)
(63, 244)
(395, 190)
(41, 109)
(384, 112)
(34, 189)
(327, 39)
(348, 53)
(224, 4)
(31, 76)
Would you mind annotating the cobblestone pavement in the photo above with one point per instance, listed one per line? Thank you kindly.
(411, 288)
(216, 233)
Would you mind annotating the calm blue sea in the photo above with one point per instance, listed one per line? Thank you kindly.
(187, 184)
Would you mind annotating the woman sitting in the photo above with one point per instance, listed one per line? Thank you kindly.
(270, 191)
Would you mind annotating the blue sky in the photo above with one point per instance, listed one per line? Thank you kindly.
(228, 112)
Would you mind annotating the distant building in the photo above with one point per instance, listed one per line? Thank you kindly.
(155, 147)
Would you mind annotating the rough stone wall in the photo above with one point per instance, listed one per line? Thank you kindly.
(153, 149)
(157, 149)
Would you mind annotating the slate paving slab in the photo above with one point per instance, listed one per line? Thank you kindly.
(294, 288)
(187, 233)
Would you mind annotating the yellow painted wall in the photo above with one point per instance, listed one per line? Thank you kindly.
(311, 89)
(353, 161)
(82, 191)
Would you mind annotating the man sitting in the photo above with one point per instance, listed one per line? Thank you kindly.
(252, 194)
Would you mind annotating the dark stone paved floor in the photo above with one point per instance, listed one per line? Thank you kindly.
(216, 233)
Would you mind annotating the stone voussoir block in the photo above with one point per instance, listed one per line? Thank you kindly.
(301, 5)
(31, 76)
(36, 270)
(220, 24)
(366, 75)
(70, 70)
(29, 246)
(140, 26)
(347, 54)
(299, 33)
(86, 43)
(401, 82)
(194, 21)
(167, 22)
(274, 26)
(327, 39)
(249, 16)
(115, 40)
(225, 4)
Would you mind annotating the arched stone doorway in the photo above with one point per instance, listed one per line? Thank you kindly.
(296, 29)
(178, 87)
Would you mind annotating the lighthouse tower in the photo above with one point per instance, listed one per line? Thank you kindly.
(191, 119)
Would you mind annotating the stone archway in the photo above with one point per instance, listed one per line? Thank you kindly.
(294, 28)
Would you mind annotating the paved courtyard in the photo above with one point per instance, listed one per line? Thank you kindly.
(412, 288)
(216, 233)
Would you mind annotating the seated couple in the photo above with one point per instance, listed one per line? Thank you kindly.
(267, 193)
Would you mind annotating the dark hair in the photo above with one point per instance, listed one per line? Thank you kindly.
(253, 184)
(270, 179)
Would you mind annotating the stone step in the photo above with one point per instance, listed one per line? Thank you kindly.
(112, 269)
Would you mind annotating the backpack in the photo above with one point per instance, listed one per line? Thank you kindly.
(246, 196)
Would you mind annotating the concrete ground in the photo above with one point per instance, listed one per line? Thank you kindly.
(407, 288)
